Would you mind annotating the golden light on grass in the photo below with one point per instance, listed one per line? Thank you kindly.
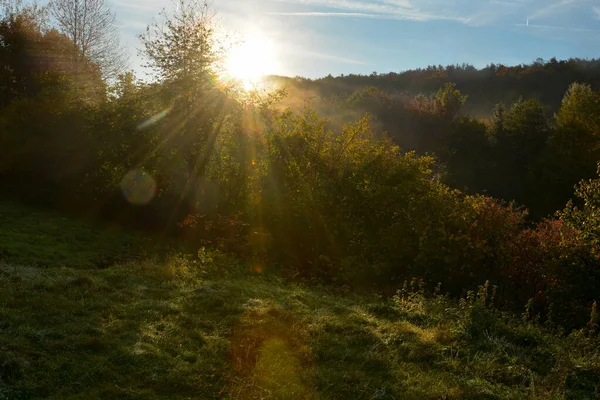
(250, 60)
(270, 356)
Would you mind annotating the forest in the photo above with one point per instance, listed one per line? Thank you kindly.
(454, 176)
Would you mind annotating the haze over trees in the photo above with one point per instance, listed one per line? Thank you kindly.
(421, 187)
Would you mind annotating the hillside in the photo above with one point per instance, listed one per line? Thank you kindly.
(544, 80)
(515, 133)
(169, 324)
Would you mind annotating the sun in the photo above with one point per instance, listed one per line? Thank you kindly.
(250, 60)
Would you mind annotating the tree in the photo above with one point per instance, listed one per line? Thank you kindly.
(32, 56)
(586, 217)
(521, 134)
(497, 122)
(18, 7)
(185, 57)
(182, 46)
(91, 26)
(448, 101)
(573, 149)
(526, 130)
(465, 148)
(18, 31)
(580, 108)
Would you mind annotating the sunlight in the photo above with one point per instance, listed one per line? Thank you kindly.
(252, 59)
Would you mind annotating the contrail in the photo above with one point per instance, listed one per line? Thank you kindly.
(527, 21)
(562, 28)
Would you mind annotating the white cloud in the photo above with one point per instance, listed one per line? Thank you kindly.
(400, 16)
(549, 10)
(476, 13)
(399, 3)
(383, 9)
(328, 14)
(471, 12)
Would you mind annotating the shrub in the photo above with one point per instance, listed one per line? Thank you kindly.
(552, 265)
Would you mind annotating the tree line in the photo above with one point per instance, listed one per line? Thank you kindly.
(520, 152)
(192, 154)
(544, 80)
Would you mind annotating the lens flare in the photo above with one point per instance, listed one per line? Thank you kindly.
(138, 187)
(153, 120)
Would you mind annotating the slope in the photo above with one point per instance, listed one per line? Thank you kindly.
(90, 312)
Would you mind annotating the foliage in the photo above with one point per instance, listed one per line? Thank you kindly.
(573, 149)
(448, 101)
(546, 80)
(181, 46)
(330, 187)
(558, 270)
(520, 135)
(583, 214)
(525, 154)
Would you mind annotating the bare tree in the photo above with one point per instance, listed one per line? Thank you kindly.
(18, 7)
(91, 26)
(8, 7)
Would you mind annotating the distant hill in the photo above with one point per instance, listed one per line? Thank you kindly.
(544, 80)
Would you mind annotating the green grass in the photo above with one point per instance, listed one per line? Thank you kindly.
(188, 327)
(44, 239)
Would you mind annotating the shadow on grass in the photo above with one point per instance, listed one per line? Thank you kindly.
(46, 239)
(114, 333)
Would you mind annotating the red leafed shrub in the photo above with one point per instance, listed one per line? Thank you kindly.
(485, 239)
(468, 243)
(552, 264)
(226, 233)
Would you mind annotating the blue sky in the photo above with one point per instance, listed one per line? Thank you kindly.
(313, 38)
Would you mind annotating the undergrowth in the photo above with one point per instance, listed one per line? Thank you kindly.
(205, 325)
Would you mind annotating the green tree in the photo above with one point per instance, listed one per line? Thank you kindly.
(466, 150)
(24, 53)
(584, 214)
(185, 57)
(448, 101)
(521, 135)
(574, 149)
(47, 109)
(497, 122)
